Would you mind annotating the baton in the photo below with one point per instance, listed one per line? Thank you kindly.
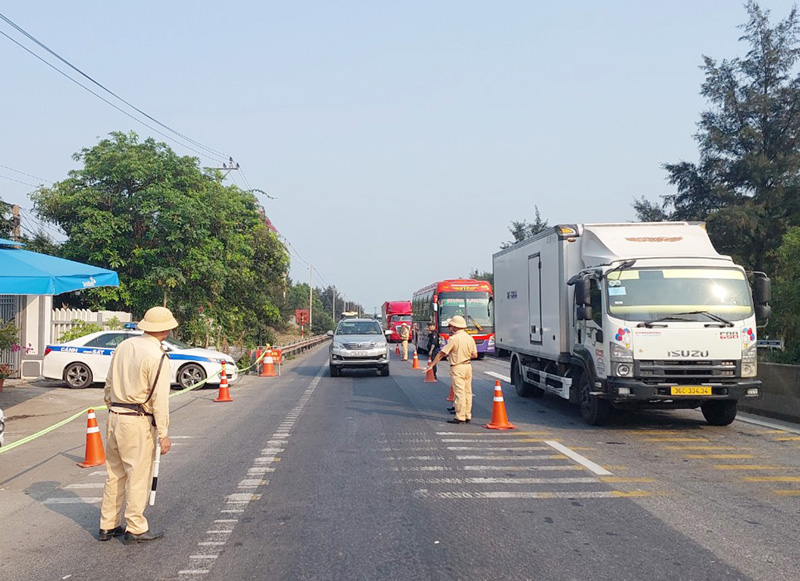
(156, 462)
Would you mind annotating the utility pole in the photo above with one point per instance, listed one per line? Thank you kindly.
(15, 219)
(310, 293)
(228, 167)
(333, 306)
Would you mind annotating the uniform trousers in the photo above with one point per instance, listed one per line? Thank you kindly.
(129, 464)
(405, 349)
(461, 380)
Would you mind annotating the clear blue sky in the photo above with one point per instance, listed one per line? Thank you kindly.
(399, 139)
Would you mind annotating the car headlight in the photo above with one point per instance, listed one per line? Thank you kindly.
(337, 345)
(621, 354)
(380, 344)
(749, 362)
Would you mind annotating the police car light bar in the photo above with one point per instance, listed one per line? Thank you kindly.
(130, 326)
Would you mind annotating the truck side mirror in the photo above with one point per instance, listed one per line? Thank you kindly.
(582, 295)
(584, 313)
(763, 288)
(763, 313)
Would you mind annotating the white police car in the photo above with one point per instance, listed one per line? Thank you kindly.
(85, 360)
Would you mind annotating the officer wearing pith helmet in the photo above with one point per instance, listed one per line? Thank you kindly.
(136, 393)
(459, 350)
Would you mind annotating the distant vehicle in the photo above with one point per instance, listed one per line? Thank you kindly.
(630, 316)
(86, 360)
(437, 302)
(394, 314)
(358, 344)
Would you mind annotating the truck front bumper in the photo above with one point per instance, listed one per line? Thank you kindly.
(622, 391)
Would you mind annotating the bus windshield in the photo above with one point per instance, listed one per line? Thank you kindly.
(474, 306)
(650, 293)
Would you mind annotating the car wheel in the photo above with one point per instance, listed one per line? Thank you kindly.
(190, 374)
(78, 375)
(385, 371)
(334, 371)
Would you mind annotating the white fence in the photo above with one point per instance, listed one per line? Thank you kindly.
(63, 319)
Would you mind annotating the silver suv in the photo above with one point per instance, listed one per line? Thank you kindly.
(359, 343)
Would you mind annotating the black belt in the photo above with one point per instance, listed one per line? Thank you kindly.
(136, 407)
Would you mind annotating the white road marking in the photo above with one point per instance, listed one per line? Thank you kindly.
(86, 485)
(596, 468)
(71, 500)
(524, 468)
(529, 495)
(764, 424)
(521, 457)
(582, 480)
(499, 448)
(237, 502)
(499, 376)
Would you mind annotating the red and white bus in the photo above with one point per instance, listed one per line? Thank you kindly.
(437, 302)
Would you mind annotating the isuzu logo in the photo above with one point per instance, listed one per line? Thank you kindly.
(687, 353)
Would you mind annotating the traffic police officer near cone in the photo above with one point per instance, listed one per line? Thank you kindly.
(459, 350)
(136, 393)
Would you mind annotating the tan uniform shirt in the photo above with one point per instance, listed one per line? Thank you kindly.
(404, 332)
(460, 348)
(131, 375)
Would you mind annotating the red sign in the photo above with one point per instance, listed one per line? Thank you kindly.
(301, 316)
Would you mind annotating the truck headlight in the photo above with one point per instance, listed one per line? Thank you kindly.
(621, 354)
(749, 362)
(623, 370)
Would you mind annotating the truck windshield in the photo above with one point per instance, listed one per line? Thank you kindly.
(650, 293)
(401, 318)
(475, 307)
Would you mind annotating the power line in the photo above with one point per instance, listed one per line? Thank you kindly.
(23, 173)
(109, 91)
(18, 181)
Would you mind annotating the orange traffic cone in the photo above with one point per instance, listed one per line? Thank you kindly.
(397, 349)
(224, 393)
(268, 365)
(452, 395)
(429, 377)
(415, 361)
(499, 419)
(95, 455)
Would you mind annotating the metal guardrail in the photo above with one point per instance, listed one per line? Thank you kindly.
(291, 349)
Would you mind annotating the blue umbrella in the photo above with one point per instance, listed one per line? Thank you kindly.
(29, 273)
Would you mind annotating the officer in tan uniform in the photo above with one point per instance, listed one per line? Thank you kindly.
(459, 350)
(136, 393)
(405, 332)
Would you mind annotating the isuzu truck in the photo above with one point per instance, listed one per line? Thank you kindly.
(630, 316)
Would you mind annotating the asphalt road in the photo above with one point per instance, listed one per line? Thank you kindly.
(306, 476)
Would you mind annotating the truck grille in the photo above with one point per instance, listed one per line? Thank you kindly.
(682, 371)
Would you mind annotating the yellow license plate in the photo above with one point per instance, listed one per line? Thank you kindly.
(691, 390)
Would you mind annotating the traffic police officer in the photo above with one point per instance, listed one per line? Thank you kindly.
(405, 332)
(459, 350)
(136, 393)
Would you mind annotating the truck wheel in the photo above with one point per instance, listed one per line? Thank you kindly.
(595, 411)
(719, 413)
(524, 389)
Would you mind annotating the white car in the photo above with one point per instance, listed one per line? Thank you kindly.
(85, 360)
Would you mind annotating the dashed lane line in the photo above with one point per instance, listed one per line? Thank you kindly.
(202, 562)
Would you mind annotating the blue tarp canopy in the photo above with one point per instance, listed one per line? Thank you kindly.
(29, 273)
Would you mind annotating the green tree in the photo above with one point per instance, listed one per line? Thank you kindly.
(175, 235)
(485, 275)
(522, 230)
(746, 184)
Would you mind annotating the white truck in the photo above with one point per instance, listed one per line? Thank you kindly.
(635, 315)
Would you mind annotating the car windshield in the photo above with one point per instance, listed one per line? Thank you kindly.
(175, 344)
(651, 293)
(359, 328)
